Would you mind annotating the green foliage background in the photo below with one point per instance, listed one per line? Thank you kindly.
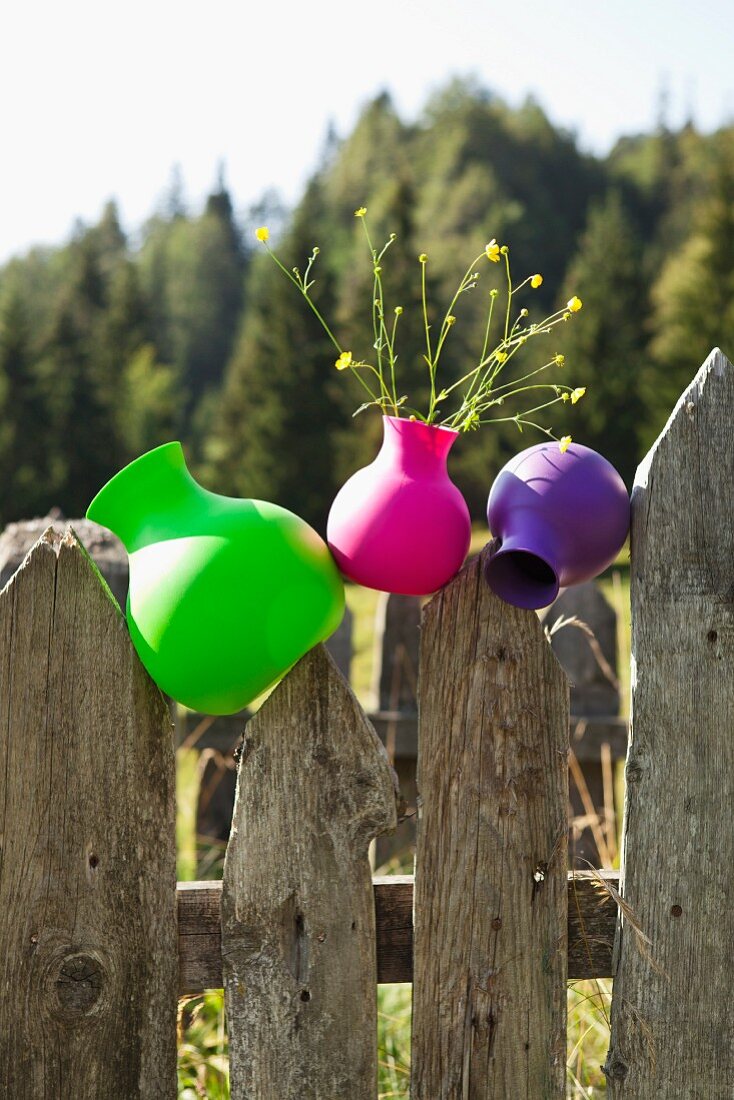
(110, 346)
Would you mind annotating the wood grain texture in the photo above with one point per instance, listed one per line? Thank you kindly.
(199, 937)
(587, 735)
(489, 994)
(298, 915)
(592, 922)
(672, 1028)
(87, 867)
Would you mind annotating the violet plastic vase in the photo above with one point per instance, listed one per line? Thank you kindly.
(561, 519)
(400, 524)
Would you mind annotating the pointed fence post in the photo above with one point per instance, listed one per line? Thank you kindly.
(672, 1028)
(298, 912)
(88, 947)
(489, 994)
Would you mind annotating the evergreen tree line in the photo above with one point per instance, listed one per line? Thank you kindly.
(110, 346)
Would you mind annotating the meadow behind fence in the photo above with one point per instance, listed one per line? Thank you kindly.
(98, 942)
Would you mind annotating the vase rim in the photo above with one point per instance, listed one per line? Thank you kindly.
(402, 420)
(506, 573)
(121, 475)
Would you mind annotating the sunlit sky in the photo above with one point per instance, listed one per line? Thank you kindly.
(101, 99)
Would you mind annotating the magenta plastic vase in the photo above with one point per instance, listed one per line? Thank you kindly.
(400, 524)
(561, 519)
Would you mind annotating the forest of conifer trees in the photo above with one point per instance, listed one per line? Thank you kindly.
(111, 345)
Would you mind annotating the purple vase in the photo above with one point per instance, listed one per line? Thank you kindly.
(561, 520)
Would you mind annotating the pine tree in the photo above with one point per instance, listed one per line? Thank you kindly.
(604, 344)
(694, 296)
(24, 455)
(80, 369)
(279, 408)
(106, 241)
(193, 276)
(80, 430)
(147, 403)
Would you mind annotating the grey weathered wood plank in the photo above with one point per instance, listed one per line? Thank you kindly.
(489, 993)
(298, 915)
(587, 735)
(592, 922)
(672, 1030)
(88, 863)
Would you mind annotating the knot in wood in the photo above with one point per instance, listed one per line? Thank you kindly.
(633, 772)
(79, 983)
(615, 1068)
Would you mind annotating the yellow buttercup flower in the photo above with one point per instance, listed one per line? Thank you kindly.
(492, 251)
(559, 360)
(564, 443)
(344, 361)
(574, 304)
(536, 281)
(360, 213)
(450, 320)
(263, 233)
(577, 394)
(565, 396)
(500, 356)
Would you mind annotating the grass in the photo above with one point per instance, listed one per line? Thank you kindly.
(203, 1060)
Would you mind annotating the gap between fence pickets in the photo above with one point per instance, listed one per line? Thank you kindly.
(592, 922)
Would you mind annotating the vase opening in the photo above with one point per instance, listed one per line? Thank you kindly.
(522, 578)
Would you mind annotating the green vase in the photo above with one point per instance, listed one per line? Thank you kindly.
(225, 594)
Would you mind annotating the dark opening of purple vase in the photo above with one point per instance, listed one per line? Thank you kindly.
(522, 578)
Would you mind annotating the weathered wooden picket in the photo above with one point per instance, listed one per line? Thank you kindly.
(298, 934)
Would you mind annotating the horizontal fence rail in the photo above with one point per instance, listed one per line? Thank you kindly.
(592, 922)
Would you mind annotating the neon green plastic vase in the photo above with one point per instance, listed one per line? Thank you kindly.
(225, 594)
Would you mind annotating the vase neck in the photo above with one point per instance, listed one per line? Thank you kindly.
(525, 568)
(146, 501)
(421, 450)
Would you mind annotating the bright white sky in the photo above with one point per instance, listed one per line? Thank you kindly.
(100, 98)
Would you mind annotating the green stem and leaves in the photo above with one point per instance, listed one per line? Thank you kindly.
(478, 390)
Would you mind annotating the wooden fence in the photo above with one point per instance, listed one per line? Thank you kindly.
(97, 940)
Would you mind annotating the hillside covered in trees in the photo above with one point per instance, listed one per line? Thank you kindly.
(109, 346)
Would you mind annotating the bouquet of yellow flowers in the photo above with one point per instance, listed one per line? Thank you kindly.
(477, 396)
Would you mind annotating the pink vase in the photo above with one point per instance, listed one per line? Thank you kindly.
(400, 524)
